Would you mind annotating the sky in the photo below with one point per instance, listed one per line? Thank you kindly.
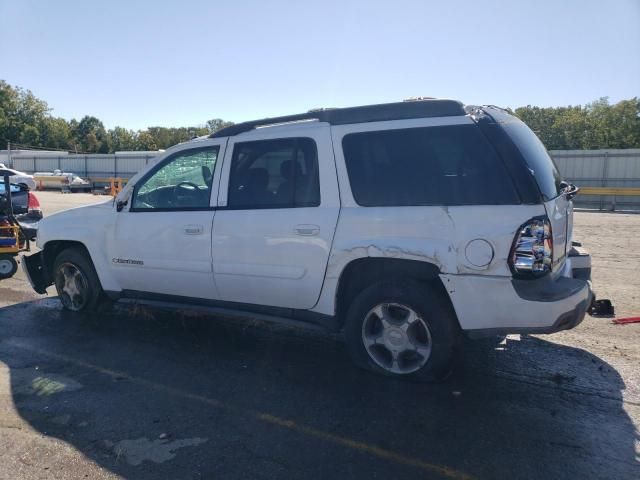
(138, 63)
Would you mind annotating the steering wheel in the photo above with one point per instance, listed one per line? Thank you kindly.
(187, 189)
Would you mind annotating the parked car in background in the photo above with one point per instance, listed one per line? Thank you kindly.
(404, 225)
(25, 206)
(60, 179)
(19, 199)
(17, 177)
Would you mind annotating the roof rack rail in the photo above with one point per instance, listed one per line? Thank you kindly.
(367, 113)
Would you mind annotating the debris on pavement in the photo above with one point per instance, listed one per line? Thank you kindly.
(601, 308)
(624, 321)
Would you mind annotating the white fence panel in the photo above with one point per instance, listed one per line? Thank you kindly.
(601, 168)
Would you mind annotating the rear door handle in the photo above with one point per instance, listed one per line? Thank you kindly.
(193, 229)
(307, 230)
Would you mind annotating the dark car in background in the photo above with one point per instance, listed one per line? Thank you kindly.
(25, 206)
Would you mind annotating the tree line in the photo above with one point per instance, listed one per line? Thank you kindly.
(598, 124)
(27, 120)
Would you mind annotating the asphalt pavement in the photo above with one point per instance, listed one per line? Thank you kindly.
(150, 394)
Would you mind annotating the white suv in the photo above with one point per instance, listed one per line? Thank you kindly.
(402, 225)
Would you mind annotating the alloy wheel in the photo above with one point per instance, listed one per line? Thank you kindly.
(72, 286)
(396, 338)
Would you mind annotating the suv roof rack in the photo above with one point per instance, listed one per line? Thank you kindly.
(366, 113)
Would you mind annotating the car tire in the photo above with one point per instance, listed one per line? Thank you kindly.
(77, 282)
(8, 266)
(402, 329)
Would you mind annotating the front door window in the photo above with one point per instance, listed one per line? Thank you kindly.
(182, 182)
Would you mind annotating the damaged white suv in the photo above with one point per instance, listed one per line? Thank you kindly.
(403, 225)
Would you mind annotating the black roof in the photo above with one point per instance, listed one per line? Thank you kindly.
(362, 114)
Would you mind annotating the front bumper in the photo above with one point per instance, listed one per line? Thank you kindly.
(35, 271)
(488, 306)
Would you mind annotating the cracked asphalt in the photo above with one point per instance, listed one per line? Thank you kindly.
(149, 394)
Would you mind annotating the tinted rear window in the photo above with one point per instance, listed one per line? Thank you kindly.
(448, 165)
(538, 160)
(281, 173)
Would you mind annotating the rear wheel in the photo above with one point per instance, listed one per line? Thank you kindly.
(76, 281)
(402, 329)
(8, 266)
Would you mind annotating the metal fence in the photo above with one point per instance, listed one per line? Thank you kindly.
(601, 168)
(585, 168)
(87, 166)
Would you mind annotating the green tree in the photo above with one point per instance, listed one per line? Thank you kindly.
(216, 124)
(55, 133)
(614, 126)
(21, 115)
(145, 141)
(92, 136)
(596, 125)
(122, 139)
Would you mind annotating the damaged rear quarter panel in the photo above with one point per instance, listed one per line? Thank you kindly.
(433, 234)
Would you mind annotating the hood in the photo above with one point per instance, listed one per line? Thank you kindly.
(75, 222)
(83, 210)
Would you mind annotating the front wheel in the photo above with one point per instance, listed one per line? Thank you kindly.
(402, 329)
(76, 281)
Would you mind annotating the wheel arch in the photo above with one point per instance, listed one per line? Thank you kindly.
(360, 273)
(53, 248)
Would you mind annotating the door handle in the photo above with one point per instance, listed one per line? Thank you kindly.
(193, 229)
(307, 230)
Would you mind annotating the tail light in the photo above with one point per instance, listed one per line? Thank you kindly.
(532, 251)
(34, 203)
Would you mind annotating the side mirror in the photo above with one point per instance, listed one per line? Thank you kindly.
(569, 190)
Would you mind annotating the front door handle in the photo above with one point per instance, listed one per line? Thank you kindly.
(193, 229)
(307, 230)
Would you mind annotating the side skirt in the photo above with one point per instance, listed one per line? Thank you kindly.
(282, 316)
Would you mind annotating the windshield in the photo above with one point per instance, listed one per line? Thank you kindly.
(538, 160)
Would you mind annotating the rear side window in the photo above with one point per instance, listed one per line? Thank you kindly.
(448, 165)
(538, 160)
(280, 173)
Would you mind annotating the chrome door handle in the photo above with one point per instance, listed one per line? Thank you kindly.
(193, 229)
(307, 230)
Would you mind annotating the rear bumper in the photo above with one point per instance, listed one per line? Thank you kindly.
(488, 306)
(566, 321)
(580, 262)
